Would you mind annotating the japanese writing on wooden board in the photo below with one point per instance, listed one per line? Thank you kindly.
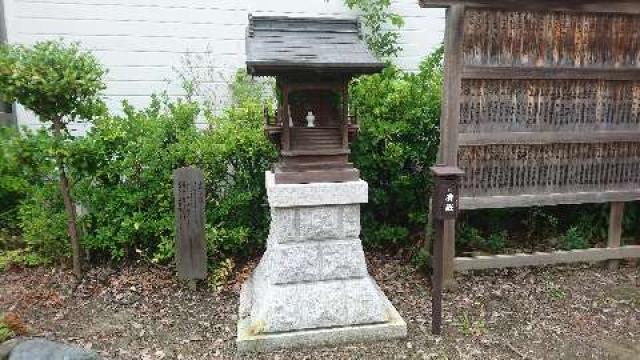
(191, 251)
(542, 101)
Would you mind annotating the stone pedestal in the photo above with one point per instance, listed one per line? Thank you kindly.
(312, 287)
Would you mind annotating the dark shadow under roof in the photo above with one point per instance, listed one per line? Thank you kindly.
(277, 45)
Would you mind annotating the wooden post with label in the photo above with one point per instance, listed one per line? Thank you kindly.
(444, 208)
(191, 246)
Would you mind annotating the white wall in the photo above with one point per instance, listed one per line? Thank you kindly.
(143, 42)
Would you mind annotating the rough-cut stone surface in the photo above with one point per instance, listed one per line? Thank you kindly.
(320, 222)
(315, 305)
(316, 261)
(40, 349)
(312, 285)
(312, 223)
(393, 327)
(314, 194)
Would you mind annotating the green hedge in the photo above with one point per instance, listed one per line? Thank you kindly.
(399, 115)
(122, 175)
(122, 171)
(126, 179)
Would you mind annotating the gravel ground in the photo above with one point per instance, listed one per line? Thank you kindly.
(142, 312)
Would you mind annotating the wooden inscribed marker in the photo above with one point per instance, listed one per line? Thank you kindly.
(444, 208)
(191, 246)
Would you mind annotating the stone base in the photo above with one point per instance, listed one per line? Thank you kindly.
(394, 327)
(312, 287)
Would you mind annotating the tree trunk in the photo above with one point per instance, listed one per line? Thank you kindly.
(69, 206)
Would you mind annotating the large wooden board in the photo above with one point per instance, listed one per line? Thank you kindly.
(542, 101)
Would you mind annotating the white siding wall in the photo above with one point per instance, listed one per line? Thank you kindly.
(143, 42)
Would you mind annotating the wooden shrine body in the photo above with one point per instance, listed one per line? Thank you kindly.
(319, 153)
(313, 60)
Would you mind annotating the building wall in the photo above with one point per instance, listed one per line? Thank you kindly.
(144, 43)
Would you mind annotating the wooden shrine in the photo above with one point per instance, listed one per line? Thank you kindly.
(313, 60)
(541, 106)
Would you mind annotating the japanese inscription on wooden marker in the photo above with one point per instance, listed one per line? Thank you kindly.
(191, 250)
(445, 192)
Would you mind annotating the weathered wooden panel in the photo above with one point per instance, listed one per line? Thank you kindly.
(547, 137)
(191, 246)
(548, 110)
(539, 38)
(549, 105)
(549, 168)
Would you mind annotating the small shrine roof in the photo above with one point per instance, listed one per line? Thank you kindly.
(277, 45)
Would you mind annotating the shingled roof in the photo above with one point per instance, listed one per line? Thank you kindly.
(282, 44)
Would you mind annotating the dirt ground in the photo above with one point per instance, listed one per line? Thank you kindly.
(142, 312)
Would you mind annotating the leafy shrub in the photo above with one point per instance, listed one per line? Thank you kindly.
(5, 332)
(496, 242)
(32, 204)
(12, 184)
(44, 226)
(235, 155)
(123, 172)
(24, 162)
(399, 114)
(422, 260)
(631, 220)
(470, 239)
(126, 164)
(591, 221)
(220, 274)
(381, 26)
(573, 239)
(60, 83)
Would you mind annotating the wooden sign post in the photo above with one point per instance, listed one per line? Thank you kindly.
(191, 246)
(444, 207)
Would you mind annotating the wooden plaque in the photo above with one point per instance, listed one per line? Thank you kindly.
(191, 246)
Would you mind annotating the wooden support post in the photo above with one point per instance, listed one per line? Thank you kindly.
(449, 120)
(615, 231)
(286, 133)
(436, 280)
(449, 253)
(444, 209)
(345, 114)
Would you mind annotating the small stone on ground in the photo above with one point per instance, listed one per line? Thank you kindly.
(41, 349)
